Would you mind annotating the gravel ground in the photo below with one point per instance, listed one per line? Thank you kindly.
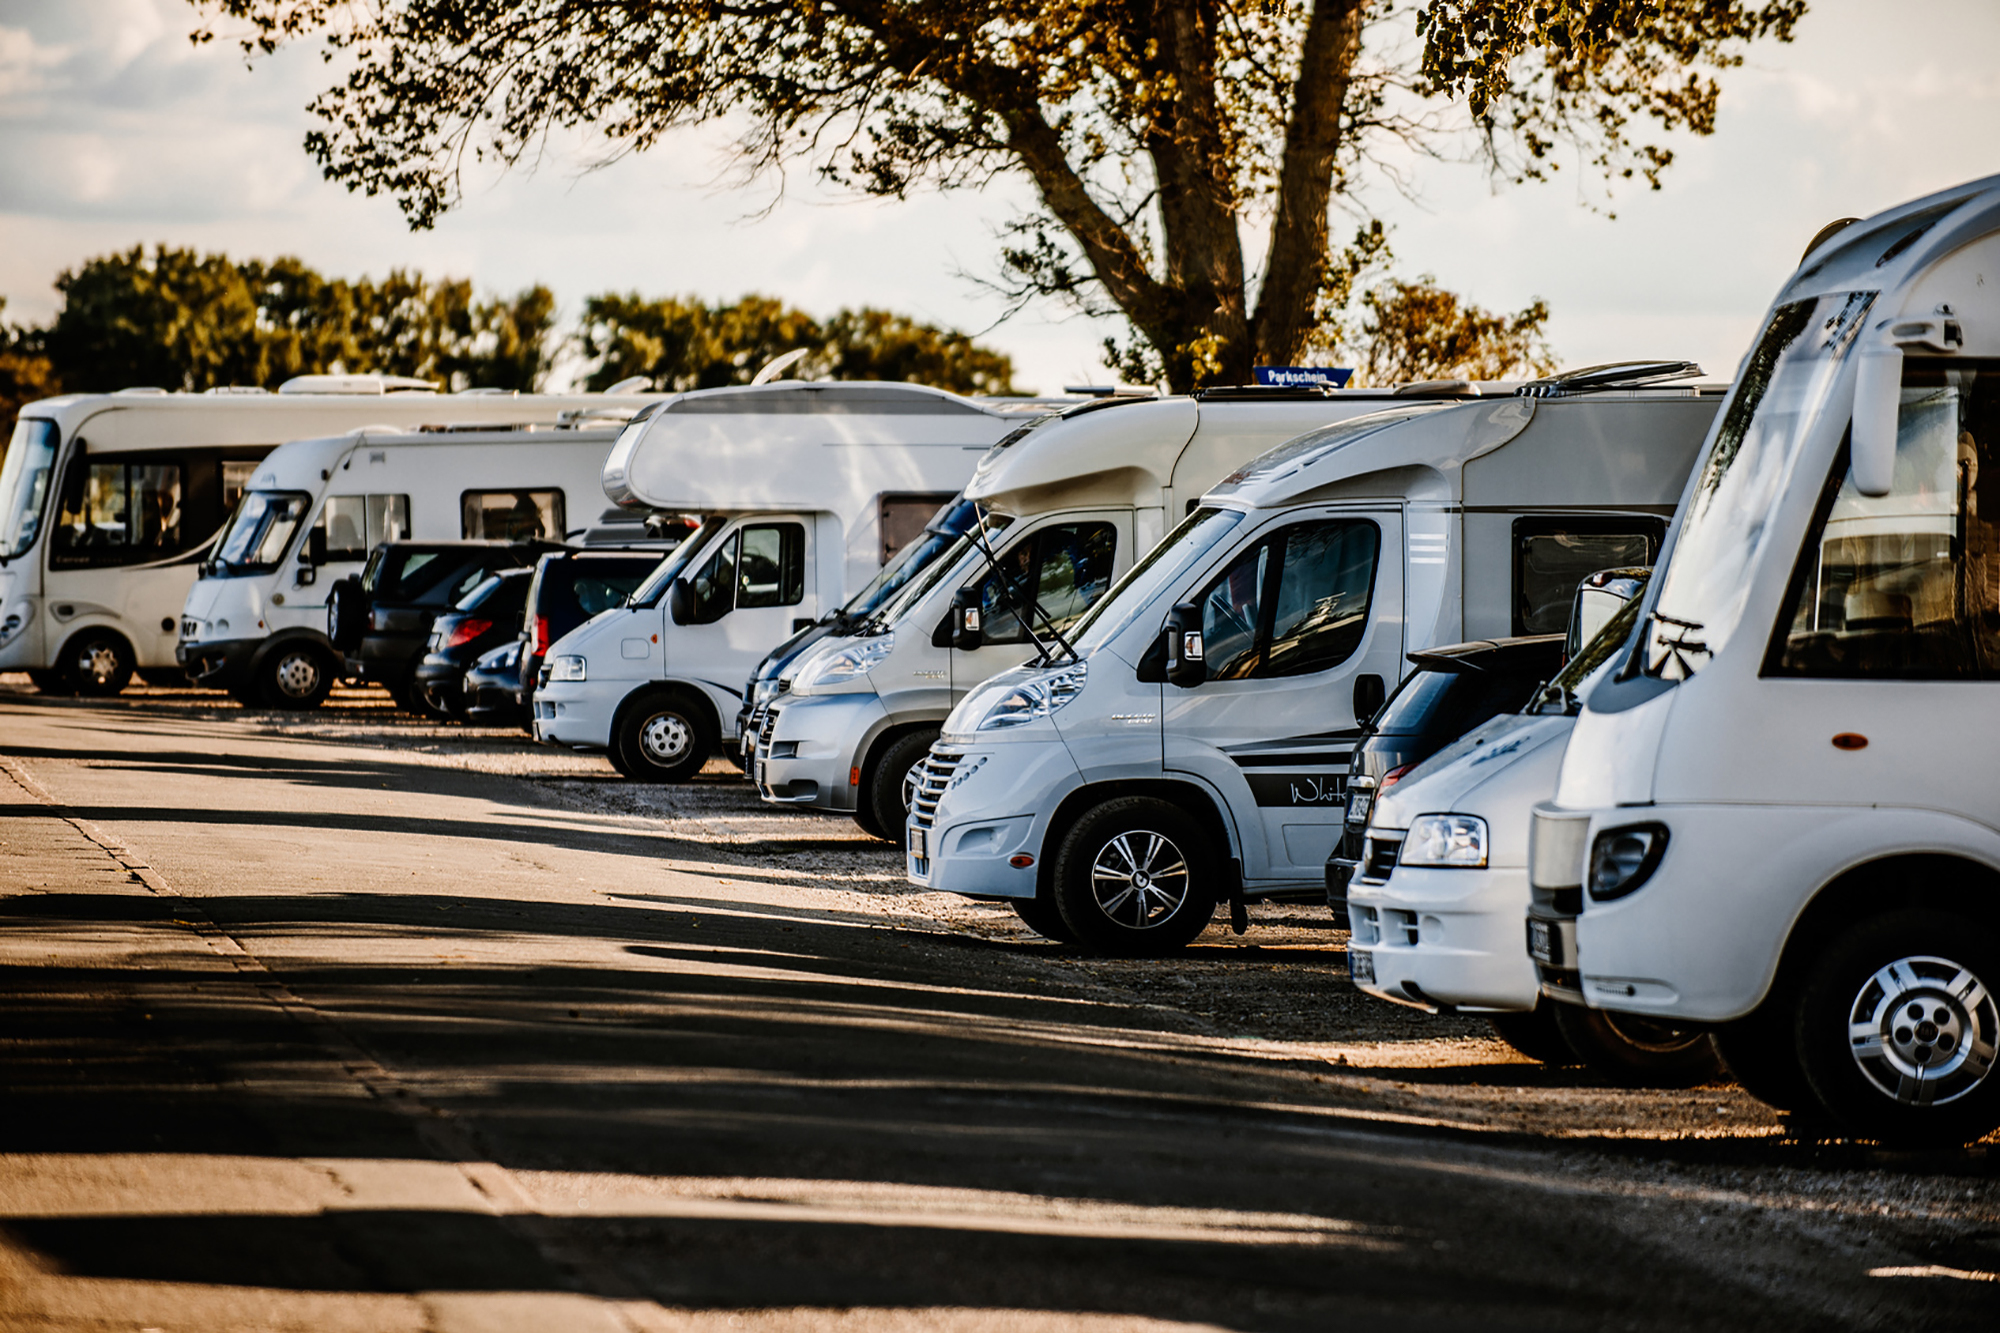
(1279, 992)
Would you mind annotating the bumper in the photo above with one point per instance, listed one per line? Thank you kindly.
(996, 805)
(809, 750)
(1445, 937)
(217, 663)
(442, 673)
(382, 657)
(578, 713)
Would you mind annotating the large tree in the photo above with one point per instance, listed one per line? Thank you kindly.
(1157, 133)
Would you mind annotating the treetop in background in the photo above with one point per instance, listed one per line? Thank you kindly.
(1154, 132)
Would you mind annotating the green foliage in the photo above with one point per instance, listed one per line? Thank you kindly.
(681, 343)
(1419, 331)
(26, 374)
(179, 320)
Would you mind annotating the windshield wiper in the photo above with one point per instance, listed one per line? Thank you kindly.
(1028, 613)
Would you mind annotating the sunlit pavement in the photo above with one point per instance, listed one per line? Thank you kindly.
(307, 1033)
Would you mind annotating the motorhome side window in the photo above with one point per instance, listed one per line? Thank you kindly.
(1063, 569)
(1553, 555)
(119, 512)
(1295, 603)
(761, 564)
(1907, 586)
(357, 524)
(512, 516)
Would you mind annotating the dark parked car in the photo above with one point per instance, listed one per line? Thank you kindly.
(488, 617)
(493, 687)
(381, 620)
(1453, 690)
(569, 588)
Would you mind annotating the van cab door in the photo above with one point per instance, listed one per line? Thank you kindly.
(755, 580)
(1290, 627)
(1057, 569)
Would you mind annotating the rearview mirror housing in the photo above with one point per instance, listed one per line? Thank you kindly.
(967, 632)
(680, 602)
(1187, 665)
(1878, 397)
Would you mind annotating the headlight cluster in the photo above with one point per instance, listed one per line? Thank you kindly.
(567, 667)
(1622, 859)
(1457, 841)
(1034, 699)
(857, 659)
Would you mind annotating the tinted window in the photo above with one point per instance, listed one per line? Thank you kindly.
(511, 515)
(771, 566)
(357, 524)
(120, 513)
(1056, 574)
(1437, 707)
(496, 594)
(1552, 556)
(1295, 603)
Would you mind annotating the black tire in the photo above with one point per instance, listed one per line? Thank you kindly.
(1040, 915)
(51, 682)
(887, 791)
(864, 818)
(245, 693)
(97, 663)
(346, 613)
(1136, 878)
(165, 678)
(1534, 1033)
(295, 677)
(1641, 1051)
(1922, 980)
(662, 737)
(1761, 1052)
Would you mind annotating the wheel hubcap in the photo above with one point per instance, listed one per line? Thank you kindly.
(99, 663)
(1651, 1035)
(666, 738)
(1923, 1029)
(1139, 879)
(297, 675)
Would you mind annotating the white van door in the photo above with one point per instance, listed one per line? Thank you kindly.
(1063, 567)
(749, 590)
(123, 550)
(1290, 627)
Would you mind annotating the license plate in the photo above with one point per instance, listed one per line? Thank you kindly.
(1357, 806)
(920, 843)
(1360, 965)
(1541, 942)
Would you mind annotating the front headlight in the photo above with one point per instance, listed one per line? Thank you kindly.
(567, 667)
(764, 690)
(857, 659)
(1034, 699)
(1457, 841)
(1622, 859)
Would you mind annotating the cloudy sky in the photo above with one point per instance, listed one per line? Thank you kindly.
(114, 131)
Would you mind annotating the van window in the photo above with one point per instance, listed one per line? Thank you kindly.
(511, 516)
(236, 474)
(761, 564)
(901, 517)
(357, 524)
(1063, 569)
(1295, 603)
(1553, 555)
(119, 513)
(1907, 586)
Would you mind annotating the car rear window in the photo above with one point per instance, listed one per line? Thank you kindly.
(1440, 706)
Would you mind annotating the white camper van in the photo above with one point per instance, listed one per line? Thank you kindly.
(1070, 504)
(1189, 744)
(806, 489)
(108, 502)
(255, 621)
(1781, 814)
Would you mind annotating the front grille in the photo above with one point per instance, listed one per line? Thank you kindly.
(932, 779)
(1380, 858)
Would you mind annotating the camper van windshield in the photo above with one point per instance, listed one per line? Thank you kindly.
(907, 564)
(916, 588)
(655, 587)
(24, 484)
(1780, 393)
(260, 530)
(1186, 545)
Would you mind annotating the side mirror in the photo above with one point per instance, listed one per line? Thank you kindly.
(680, 602)
(1369, 694)
(966, 632)
(315, 552)
(1186, 665)
(1878, 395)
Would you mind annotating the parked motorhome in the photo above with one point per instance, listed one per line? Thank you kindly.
(109, 502)
(1189, 744)
(255, 622)
(1070, 503)
(806, 489)
(1779, 814)
(1442, 885)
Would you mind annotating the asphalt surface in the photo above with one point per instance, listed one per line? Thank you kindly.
(346, 1022)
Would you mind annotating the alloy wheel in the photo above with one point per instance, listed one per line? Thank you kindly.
(297, 675)
(1923, 1030)
(666, 738)
(1139, 878)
